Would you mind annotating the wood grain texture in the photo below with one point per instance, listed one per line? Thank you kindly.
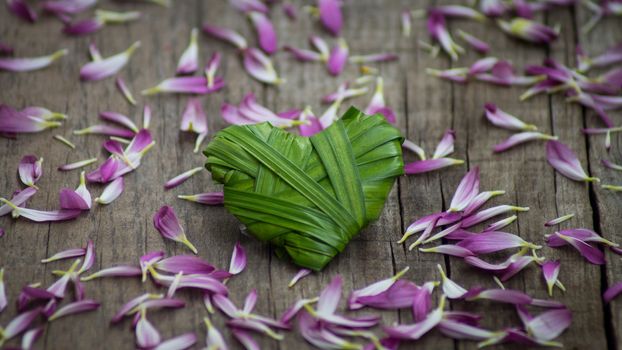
(425, 107)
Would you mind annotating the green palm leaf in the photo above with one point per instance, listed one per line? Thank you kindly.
(307, 196)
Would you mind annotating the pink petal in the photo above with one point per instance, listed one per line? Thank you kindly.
(558, 220)
(500, 295)
(459, 11)
(330, 15)
(489, 213)
(105, 130)
(74, 308)
(101, 69)
(290, 11)
(549, 325)
(374, 58)
(373, 290)
(146, 116)
(83, 27)
(12, 121)
(321, 45)
(115, 271)
(303, 55)
(179, 342)
(187, 263)
(125, 309)
(521, 138)
(313, 332)
(181, 178)
(112, 191)
(238, 259)
(20, 323)
(504, 120)
(30, 170)
(449, 249)
(338, 57)
(250, 5)
(446, 145)
(589, 252)
(476, 43)
(565, 161)
(120, 119)
(44, 216)
(302, 273)
(528, 30)
(260, 67)
(467, 190)
(165, 221)
(3, 298)
(147, 336)
(30, 337)
(458, 330)
(329, 297)
(265, 32)
(245, 339)
(18, 199)
(194, 119)
(68, 7)
(225, 34)
(22, 10)
(77, 165)
(400, 294)
(424, 166)
(450, 288)
(612, 292)
(189, 60)
(416, 330)
(209, 198)
(30, 64)
(489, 242)
(550, 271)
(185, 85)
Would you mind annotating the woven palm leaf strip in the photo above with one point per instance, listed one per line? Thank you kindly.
(307, 196)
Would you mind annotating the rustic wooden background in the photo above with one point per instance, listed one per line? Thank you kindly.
(425, 107)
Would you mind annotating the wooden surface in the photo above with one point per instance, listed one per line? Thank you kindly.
(425, 107)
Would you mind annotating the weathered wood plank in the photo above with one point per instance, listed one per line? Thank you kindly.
(606, 204)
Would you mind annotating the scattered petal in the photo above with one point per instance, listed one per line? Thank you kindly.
(566, 162)
(209, 198)
(101, 69)
(302, 273)
(30, 64)
(77, 165)
(112, 191)
(238, 259)
(189, 60)
(74, 308)
(165, 221)
(181, 178)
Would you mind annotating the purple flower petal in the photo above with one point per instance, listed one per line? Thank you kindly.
(456, 75)
(467, 190)
(147, 336)
(458, 330)
(189, 60)
(68, 7)
(566, 162)
(83, 27)
(589, 252)
(225, 34)
(437, 28)
(127, 307)
(181, 178)
(558, 220)
(12, 122)
(373, 289)
(265, 32)
(521, 138)
(245, 339)
(550, 271)
(260, 67)
(424, 166)
(238, 259)
(612, 292)
(401, 294)
(214, 338)
(338, 58)
(30, 170)
(492, 241)
(105, 130)
(302, 273)
(419, 329)
(483, 215)
(165, 221)
(293, 310)
(112, 191)
(119, 119)
(450, 288)
(476, 43)
(19, 199)
(115, 271)
(3, 298)
(101, 69)
(504, 120)
(30, 64)
(179, 342)
(208, 198)
(374, 58)
(30, 337)
(20, 323)
(303, 55)
(330, 15)
(185, 85)
(329, 297)
(187, 263)
(549, 325)
(22, 10)
(74, 308)
(449, 249)
(43, 216)
(528, 30)
(77, 165)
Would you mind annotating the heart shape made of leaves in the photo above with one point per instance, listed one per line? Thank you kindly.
(307, 196)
